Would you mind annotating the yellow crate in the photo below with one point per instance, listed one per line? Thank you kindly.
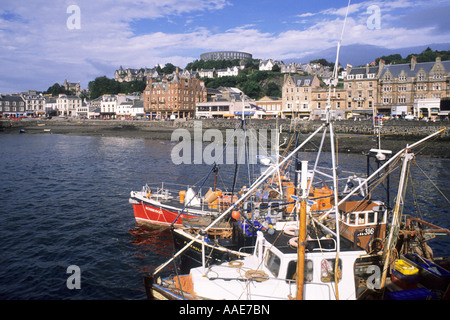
(405, 267)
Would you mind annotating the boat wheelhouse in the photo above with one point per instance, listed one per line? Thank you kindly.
(269, 273)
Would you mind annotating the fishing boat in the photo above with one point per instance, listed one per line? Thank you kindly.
(179, 206)
(165, 205)
(269, 272)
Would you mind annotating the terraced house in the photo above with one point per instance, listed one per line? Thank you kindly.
(297, 95)
(361, 85)
(11, 106)
(414, 88)
(176, 98)
(392, 90)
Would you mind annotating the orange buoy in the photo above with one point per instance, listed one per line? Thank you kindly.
(182, 195)
(235, 215)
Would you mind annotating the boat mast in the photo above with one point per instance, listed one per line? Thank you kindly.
(397, 216)
(302, 231)
(267, 174)
(333, 156)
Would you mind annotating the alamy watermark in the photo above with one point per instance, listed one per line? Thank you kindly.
(374, 20)
(249, 144)
(74, 280)
(74, 20)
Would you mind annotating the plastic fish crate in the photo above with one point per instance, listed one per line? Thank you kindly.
(412, 294)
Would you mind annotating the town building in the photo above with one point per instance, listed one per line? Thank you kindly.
(34, 103)
(401, 86)
(335, 98)
(291, 68)
(267, 65)
(207, 73)
(227, 102)
(73, 87)
(110, 105)
(12, 106)
(176, 98)
(50, 106)
(67, 105)
(272, 106)
(228, 72)
(361, 89)
(297, 95)
(129, 74)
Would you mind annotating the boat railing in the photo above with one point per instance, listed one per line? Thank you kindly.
(246, 248)
(172, 191)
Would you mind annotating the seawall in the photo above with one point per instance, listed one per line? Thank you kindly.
(352, 136)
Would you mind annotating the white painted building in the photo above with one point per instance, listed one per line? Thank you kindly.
(34, 103)
(207, 73)
(110, 103)
(67, 105)
(228, 72)
(426, 107)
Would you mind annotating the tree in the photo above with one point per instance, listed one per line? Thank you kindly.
(169, 68)
(103, 85)
(273, 90)
(56, 89)
(252, 89)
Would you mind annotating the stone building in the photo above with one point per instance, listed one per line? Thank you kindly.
(297, 95)
(129, 74)
(225, 55)
(361, 88)
(339, 109)
(176, 98)
(271, 105)
(401, 86)
(75, 88)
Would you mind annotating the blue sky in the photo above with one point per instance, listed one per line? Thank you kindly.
(37, 48)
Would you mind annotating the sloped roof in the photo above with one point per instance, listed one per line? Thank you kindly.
(396, 69)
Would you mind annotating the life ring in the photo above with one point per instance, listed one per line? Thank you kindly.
(291, 231)
(293, 242)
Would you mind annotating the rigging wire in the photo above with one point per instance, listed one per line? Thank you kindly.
(437, 188)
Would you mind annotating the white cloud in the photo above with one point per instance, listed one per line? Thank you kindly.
(36, 43)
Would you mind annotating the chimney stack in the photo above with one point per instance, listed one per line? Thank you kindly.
(413, 63)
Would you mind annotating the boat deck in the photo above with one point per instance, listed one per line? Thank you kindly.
(283, 242)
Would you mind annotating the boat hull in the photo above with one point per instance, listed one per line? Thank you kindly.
(160, 215)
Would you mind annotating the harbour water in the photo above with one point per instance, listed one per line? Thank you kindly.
(64, 202)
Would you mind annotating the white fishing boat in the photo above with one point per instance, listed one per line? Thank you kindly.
(309, 257)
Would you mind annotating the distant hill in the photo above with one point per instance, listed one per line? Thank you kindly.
(361, 54)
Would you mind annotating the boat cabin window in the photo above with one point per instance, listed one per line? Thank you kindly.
(273, 263)
(327, 270)
(371, 217)
(356, 218)
(292, 270)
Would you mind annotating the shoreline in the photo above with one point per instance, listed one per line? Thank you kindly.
(351, 137)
